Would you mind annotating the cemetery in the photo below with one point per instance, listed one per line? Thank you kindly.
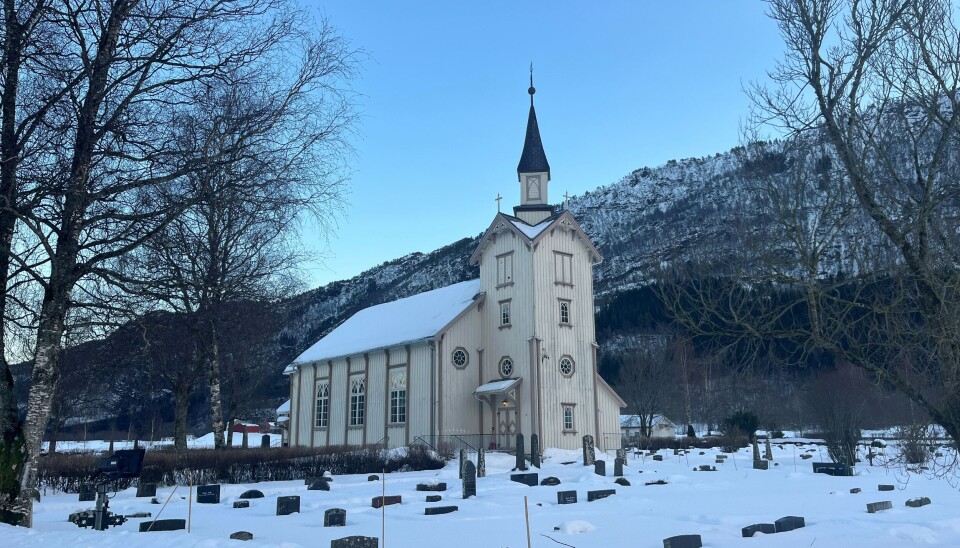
(570, 498)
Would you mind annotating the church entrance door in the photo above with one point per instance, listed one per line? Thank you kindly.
(507, 427)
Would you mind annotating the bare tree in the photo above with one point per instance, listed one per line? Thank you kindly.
(645, 379)
(856, 259)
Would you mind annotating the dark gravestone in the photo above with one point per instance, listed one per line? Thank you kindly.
(683, 541)
(622, 481)
(589, 454)
(252, 494)
(335, 517)
(756, 453)
(761, 465)
(622, 454)
(241, 504)
(535, 450)
(434, 498)
(241, 535)
(658, 457)
(885, 487)
(208, 494)
(373, 477)
(618, 467)
(355, 542)
(600, 494)
(265, 441)
(918, 502)
(806, 456)
(854, 490)
(469, 480)
(832, 469)
(789, 523)
(874, 507)
(163, 525)
(521, 463)
(380, 502)
(288, 505)
(481, 463)
(768, 451)
(463, 461)
(550, 480)
(88, 492)
(527, 479)
(147, 490)
(707, 468)
(319, 484)
(437, 510)
(765, 528)
(600, 467)
(432, 486)
(566, 497)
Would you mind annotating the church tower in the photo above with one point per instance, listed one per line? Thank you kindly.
(533, 172)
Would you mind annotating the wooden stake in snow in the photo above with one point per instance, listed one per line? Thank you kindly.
(383, 510)
(190, 501)
(526, 515)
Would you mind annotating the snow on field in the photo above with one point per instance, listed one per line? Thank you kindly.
(715, 505)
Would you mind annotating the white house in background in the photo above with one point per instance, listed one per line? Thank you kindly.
(661, 427)
(283, 421)
(511, 352)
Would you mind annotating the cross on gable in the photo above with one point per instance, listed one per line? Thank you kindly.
(497, 199)
(566, 200)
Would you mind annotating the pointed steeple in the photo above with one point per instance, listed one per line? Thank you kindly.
(533, 159)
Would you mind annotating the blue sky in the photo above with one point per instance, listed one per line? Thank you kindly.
(443, 104)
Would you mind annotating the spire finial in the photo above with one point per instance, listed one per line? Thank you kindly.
(532, 89)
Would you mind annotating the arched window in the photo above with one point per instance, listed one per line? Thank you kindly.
(323, 404)
(568, 418)
(506, 366)
(398, 397)
(357, 396)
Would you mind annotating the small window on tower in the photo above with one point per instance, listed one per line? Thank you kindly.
(564, 312)
(504, 313)
(563, 268)
(533, 188)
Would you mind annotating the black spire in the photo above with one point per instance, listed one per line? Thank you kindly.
(533, 159)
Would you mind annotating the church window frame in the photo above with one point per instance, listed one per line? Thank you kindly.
(563, 268)
(505, 367)
(564, 310)
(533, 188)
(460, 358)
(398, 397)
(568, 417)
(358, 393)
(322, 404)
(505, 270)
(505, 317)
(567, 366)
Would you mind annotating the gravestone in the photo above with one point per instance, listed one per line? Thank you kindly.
(550, 481)
(535, 451)
(319, 484)
(208, 494)
(707, 468)
(683, 541)
(163, 525)
(356, 541)
(854, 490)
(147, 490)
(874, 507)
(761, 465)
(622, 454)
(434, 498)
(373, 477)
(756, 453)
(531, 479)
(88, 492)
(265, 441)
(768, 453)
(521, 463)
(380, 502)
(618, 467)
(658, 457)
(832, 468)
(469, 480)
(437, 510)
(765, 528)
(241, 535)
(288, 505)
(432, 486)
(885, 487)
(789, 523)
(463, 461)
(600, 494)
(241, 504)
(335, 517)
(600, 468)
(566, 497)
(589, 454)
(622, 481)
(481, 463)
(918, 502)
(252, 494)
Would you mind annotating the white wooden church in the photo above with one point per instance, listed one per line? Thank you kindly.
(513, 352)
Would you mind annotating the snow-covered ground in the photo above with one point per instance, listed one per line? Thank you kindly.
(715, 505)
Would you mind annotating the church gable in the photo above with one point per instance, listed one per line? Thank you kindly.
(534, 234)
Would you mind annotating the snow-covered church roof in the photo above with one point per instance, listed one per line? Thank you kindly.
(390, 324)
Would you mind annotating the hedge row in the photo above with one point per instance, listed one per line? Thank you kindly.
(65, 473)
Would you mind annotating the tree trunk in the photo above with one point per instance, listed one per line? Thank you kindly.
(216, 397)
(230, 424)
(181, 407)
